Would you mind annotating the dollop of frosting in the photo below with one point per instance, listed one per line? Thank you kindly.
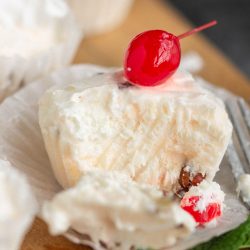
(28, 28)
(118, 213)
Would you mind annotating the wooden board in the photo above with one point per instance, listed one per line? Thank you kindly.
(108, 50)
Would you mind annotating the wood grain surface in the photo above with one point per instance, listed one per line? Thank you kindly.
(108, 50)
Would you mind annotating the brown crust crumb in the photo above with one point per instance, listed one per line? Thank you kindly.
(186, 180)
(124, 85)
(103, 244)
(198, 178)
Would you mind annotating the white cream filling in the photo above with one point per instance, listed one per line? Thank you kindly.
(147, 133)
(108, 206)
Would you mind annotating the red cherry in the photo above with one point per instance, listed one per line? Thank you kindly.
(154, 55)
(212, 211)
(151, 57)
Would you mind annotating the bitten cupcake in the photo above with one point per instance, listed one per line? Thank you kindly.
(147, 121)
(37, 37)
(153, 124)
(171, 136)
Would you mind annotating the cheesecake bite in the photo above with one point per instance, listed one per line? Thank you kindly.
(171, 136)
(113, 212)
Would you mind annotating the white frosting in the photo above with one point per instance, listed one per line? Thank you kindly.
(25, 42)
(17, 208)
(26, 27)
(243, 187)
(108, 206)
(146, 133)
(209, 192)
(31, 13)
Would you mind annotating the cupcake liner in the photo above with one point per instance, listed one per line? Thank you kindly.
(15, 218)
(21, 143)
(17, 70)
(95, 16)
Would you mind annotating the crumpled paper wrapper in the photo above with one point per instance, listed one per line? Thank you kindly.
(17, 71)
(18, 206)
(21, 143)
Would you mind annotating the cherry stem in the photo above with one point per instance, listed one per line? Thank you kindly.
(198, 29)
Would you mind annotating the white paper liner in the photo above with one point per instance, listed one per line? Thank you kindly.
(17, 71)
(21, 143)
(95, 16)
(18, 207)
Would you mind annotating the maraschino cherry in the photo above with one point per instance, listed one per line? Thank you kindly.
(154, 55)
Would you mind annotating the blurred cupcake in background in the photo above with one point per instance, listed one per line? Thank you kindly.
(97, 16)
(36, 37)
